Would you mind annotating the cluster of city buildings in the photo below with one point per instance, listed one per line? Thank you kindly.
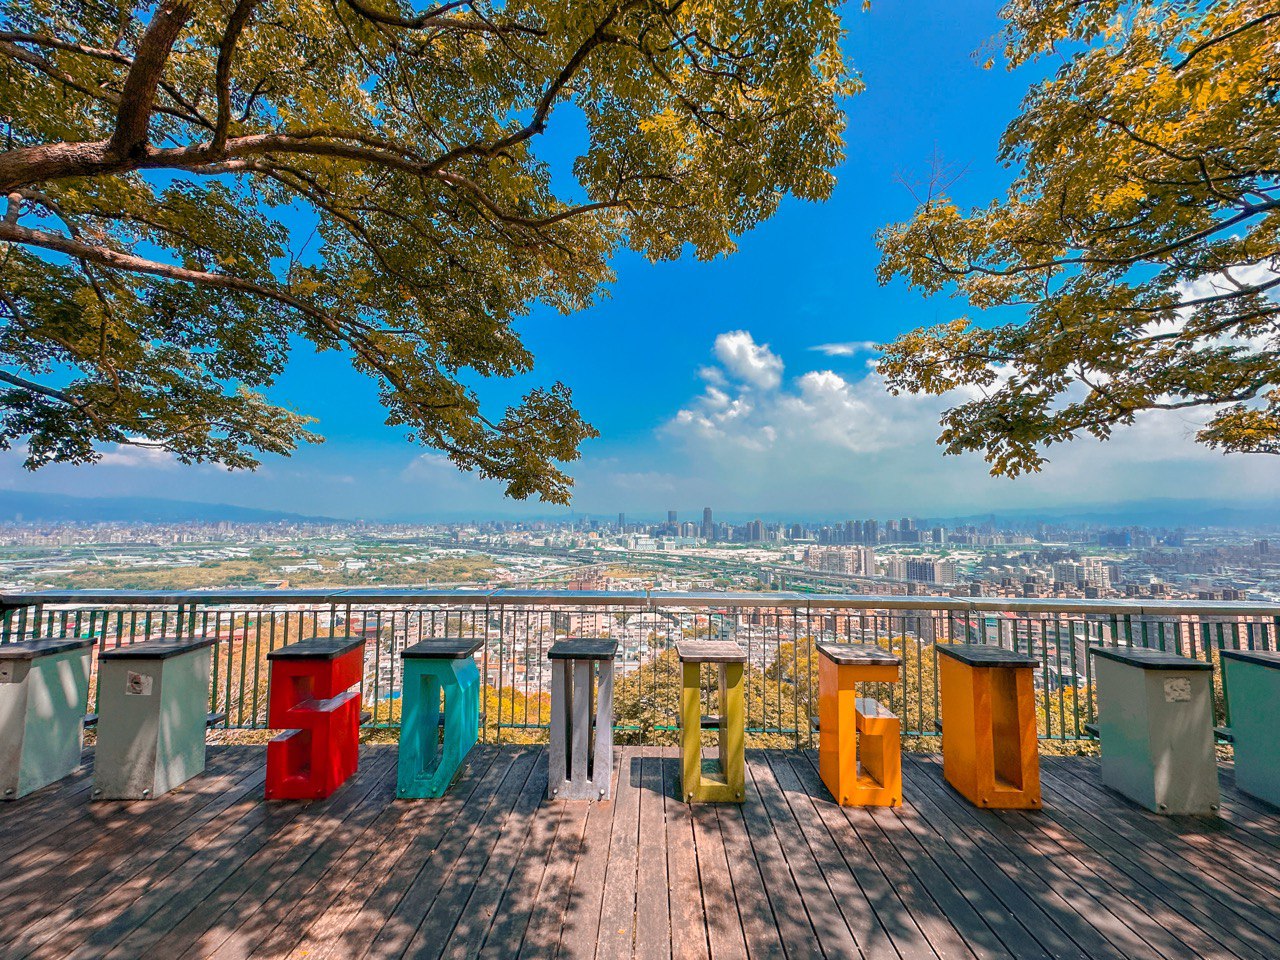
(901, 555)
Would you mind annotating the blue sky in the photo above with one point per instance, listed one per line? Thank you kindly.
(703, 378)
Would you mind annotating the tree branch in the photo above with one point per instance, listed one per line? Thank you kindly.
(226, 50)
(1213, 41)
(33, 387)
(133, 119)
(435, 18)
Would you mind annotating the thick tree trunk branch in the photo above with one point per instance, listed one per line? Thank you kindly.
(138, 98)
(32, 387)
(226, 51)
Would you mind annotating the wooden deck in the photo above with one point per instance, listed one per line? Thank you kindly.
(492, 870)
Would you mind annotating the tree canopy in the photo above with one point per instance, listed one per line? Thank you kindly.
(150, 289)
(1139, 240)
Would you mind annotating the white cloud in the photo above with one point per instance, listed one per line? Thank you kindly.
(434, 469)
(1214, 284)
(643, 481)
(746, 360)
(135, 457)
(847, 349)
(823, 440)
(1230, 281)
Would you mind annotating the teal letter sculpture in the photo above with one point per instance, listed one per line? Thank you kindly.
(434, 668)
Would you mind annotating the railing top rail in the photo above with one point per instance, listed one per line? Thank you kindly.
(10, 600)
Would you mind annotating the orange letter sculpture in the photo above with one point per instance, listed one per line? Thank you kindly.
(989, 748)
(849, 726)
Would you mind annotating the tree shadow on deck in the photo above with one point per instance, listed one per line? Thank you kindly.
(493, 869)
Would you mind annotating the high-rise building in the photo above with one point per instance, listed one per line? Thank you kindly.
(671, 516)
(870, 532)
(622, 523)
(708, 525)
(926, 570)
(895, 568)
(755, 531)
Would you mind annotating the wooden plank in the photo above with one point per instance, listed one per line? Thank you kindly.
(830, 934)
(526, 890)
(1023, 879)
(894, 917)
(724, 925)
(106, 828)
(996, 902)
(219, 913)
(783, 896)
(175, 927)
(653, 912)
(293, 880)
(402, 924)
(944, 938)
(78, 914)
(1208, 843)
(759, 925)
(580, 722)
(288, 926)
(859, 913)
(1132, 931)
(479, 912)
(1208, 838)
(489, 870)
(33, 817)
(951, 902)
(586, 889)
(542, 934)
(346, 928)
(684, 892)
(602, 747)
(558, 748)
(1213, 908)
(53, 858)
(618, 907)
(110, 835)
(1253, 814)
(215, 854)
(1141, 874)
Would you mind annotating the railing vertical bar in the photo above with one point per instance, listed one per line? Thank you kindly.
(231, 649)
(257, 664)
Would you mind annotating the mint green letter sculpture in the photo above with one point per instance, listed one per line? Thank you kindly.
(433, 667)
(1253, 688)
(44, 688)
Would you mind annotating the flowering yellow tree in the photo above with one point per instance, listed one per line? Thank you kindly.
(1140, 239)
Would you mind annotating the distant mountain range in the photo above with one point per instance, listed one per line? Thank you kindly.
(56, 507)
(1191, 514)
(1140, 513)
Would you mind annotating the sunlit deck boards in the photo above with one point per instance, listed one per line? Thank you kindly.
(494, 870)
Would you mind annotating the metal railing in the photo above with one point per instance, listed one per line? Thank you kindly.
(778, 631)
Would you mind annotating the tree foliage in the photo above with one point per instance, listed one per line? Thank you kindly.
(1141, 236)
(151, 291)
